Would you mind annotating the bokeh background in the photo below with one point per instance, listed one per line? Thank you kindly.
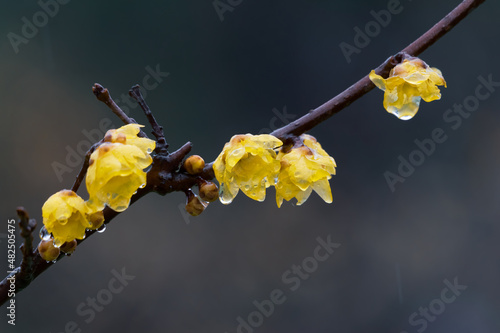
(226, 77)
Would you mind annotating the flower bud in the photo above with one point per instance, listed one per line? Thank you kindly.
(47, 250)
(69, 247)
(194, 164)
(96, 219)
(194, 205)
(209, 191)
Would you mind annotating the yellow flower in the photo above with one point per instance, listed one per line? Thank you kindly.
(65, 216)
(408, 83)
(304, 169)
(128, 135)
(248, 163)
(116, 168)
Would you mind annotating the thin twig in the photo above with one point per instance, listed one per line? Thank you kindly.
(103, 95)
(442, 27)
(161, 143)
(27, 226)
(85, 166)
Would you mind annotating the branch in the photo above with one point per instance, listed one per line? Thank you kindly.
(165, 175)
(136, 94)
(103, 95)
(27, 227)
(363, 86)
(85, 166)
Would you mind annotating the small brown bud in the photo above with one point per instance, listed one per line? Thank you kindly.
(209, 192)
(69, 247)
(96, 219)
(194, 205)
(47, 250)
(109, 136)
(194, 164)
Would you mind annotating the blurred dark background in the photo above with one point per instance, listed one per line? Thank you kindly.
(226, 77)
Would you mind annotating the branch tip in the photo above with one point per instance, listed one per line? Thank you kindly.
(135, 93)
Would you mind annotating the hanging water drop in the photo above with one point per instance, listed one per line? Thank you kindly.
(101, 229)
(44, 234)
(225, 200)
(225, 196)
(142, 185)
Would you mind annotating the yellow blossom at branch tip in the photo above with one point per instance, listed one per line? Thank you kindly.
(116, 168)
(304, 169)
(248, 163)
(65, 217)
(408, 83)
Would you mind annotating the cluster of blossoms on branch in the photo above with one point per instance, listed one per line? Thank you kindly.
(116, 170)
(252, 163)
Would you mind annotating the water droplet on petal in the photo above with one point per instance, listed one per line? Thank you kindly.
(142, 185)
(225, 196)
(149, 150)
(101, 229)
(44, 234)
(225, 200)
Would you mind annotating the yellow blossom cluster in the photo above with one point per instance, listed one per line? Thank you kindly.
(408, 83)
(252, 163)
(115, 172)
